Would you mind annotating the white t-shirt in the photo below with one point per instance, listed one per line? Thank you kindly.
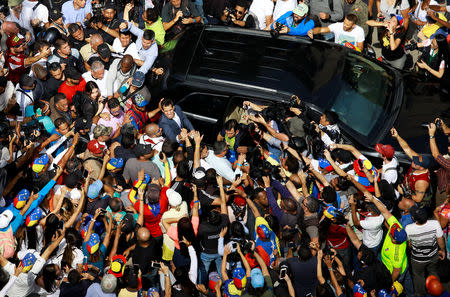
(388, 10)
(23, 99)
(131, 50)
(421, 14)
(261, 9)
(424, 239)
(283, 6)
(372, 230)
(6, 95)
(101, 83)
(354, 36)
(40, 12)
(390, 175)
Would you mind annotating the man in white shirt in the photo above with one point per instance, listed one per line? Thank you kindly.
(346, 33)
(21, 15)
(219, 162)
(263, 10)
(40, 12)
(99, 75)
(390, 163)
(124, 45)
(24, 92)
(6, 92)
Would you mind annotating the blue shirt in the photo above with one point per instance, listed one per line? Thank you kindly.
(102, 250)
(18, 218)
(301, 29)
(70, 15)
(44, 120)
(147, 55)
(405, 220)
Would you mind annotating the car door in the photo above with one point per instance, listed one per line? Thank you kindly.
(205, 111)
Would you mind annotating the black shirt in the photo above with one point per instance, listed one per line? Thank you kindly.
(75, 43)
(304, 274)
(145, 255)
(114, 24)
(209, 234)
(399, 52)
(68, 290)
(125, 154)
(51, 87)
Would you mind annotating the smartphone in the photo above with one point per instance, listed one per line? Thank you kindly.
(136, 268)
(155, 265)
(85, 173)
(237, 176)
(230, 192)
(283, 272)
(234, 245)
(56, 166)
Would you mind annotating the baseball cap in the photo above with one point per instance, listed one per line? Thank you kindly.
(239, 278)
(142, 149)
(12, 3)
(28, 261)
(109, 283)
(117, 265)
(94, 189)
(301, 10)
(257, 278)
(15, 40)
(398, 233)
(101, 130)
(114, 163)
(385, 149)
(152, 292)
(5, 218)
(138, 79)
(214, 277)
(358, 291)
(331, 212)
(109, 5)
(33, 217)
(93, 243)
(199, 176)
(21, 199)
(84, 230)
(399, 18)
(139, 100)
(104, 51)
(174, 197)
(82, 124)
(94, 146)
(263, 231)
(39, 163)
(55, 14)
(423, 161)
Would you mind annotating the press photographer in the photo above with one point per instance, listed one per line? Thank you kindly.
(296, 22)
(106, 23)
(239, 16)
(178, 14)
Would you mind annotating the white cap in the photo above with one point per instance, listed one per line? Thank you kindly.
(5, 218)
(174, 197)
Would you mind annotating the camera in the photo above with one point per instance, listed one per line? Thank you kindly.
(245, 244)
(412, 46)
(327, 251)
(438, 124)
(32, 132)
(230, 12)
(275, 32)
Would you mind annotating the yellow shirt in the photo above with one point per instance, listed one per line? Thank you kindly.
(393, 255)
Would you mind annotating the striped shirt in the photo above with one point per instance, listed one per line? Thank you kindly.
(424, 240)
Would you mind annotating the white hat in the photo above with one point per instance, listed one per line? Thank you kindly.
(109, 283)
(5, 218)
(173, 197)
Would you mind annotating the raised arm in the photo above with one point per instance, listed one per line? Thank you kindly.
(244, 261)
(355, 218)
(223, 202)
(49, 250)
(91, 224)
(384, 211)
(197, 139)
(74, 216)
(353, 238)
(349, 148)
(261, 264)
(253, 208)
(140, 219)
(403, 144)
(108, 224)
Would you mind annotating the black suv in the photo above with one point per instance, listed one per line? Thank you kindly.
(214, 68)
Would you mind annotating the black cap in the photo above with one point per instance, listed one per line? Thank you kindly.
(82, 124)
(26, 81)
(55, 14)
(104, 51)
(142, 149)
(110, 5)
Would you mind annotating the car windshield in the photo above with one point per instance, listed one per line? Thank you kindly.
(363, 95)
(325, 75)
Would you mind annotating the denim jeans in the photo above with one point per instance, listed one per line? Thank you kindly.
(406, 280)
(207, 259)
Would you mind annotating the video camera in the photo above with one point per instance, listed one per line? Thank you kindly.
(230, 12)
(275, 32)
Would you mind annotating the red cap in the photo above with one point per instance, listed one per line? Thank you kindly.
(95, 147)
(15, 40)
(385, 149)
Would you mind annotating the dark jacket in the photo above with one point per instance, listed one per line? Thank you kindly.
(170, 128)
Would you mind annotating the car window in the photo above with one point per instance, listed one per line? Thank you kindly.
(361, 101)
(205, 111)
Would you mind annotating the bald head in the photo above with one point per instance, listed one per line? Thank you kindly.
(127, 63)
(151, 129)
(405, 204)
(143, 234)
(95, 41)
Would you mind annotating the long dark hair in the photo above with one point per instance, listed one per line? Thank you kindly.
(73, 240)
(186, 230)
(443, 50)
(51, 225)
(182, 279)
(49, 277)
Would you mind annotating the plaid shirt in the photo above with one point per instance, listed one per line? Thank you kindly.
(443, 173)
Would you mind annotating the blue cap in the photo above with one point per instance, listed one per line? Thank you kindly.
(94, 189)
(257, 278)
(139, 100)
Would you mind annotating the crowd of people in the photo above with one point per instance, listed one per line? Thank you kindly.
(107, 188)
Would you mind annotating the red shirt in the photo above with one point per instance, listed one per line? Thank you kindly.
(16, 66)
(70, 91)
(152, 217)
(337, 237)
(412, 178)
